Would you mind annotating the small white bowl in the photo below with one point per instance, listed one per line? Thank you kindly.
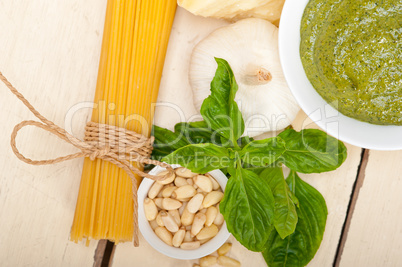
(379, 137)
(178, 253)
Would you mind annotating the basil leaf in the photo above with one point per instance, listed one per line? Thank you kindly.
(200, 158)
(299, 248)
(256, 169)
(312, 151)
(166, 142)
(197, 132)
(241, 142)
(220, 109)
(245, 140)
(263, 152)
(248, 208)
(285, 218)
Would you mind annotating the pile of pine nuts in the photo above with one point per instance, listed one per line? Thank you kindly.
(183, 209)
(221, 258)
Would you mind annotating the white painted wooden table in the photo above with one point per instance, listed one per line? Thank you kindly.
(50, 51)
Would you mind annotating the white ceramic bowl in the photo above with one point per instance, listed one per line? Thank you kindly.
(352, 131)
(178, 253)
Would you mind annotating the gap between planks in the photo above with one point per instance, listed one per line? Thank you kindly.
(361, 173)
(104, 253)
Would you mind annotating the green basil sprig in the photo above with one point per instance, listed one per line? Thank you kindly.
(283, 218)
(201, 158)
(312, 151)
(249, 216)
(300, 247)
(220, 108)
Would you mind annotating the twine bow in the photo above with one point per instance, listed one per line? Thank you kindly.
(113, 144)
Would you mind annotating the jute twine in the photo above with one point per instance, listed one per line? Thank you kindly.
(116, 145)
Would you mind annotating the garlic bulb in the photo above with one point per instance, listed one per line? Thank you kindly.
(234, 10)
(251, 48)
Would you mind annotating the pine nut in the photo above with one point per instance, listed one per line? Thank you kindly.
(183, 172)
(208, 232)
(190, 245)
(167, 192)
(190, 182)
(180, 181)
(224, 249)
(164, 235)
(212, 198)
(203, 241)
(229, 262)
(158, 202)
(203, 211)
(215, 184)
(219, 219)
(150, 209)
(153, 224)
(178, 237)
(184, 199)
(203, 182)
(159, 219)
(211, 215)
(171, 204)
(185, 191)
(195, 203)
(208, 261)
(187, 237)
(154, 190)
(176, 216)
(181, 209)
(198, 223)
(168, 179)
(169, 222)
(159, 194)
(187, 217)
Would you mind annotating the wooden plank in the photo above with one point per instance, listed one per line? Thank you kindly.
(50, 52)
(175, 99)
(375, 233)
(175, 105)
(355, 195)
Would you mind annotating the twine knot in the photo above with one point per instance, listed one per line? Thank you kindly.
(116, 145)
(99, 153)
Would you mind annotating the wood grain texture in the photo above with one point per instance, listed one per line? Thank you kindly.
(176, 104)
(375, 233)
(50, 52)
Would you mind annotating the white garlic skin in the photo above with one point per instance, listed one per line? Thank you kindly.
(249, 46)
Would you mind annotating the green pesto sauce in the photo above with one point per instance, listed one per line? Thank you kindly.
(351, 51)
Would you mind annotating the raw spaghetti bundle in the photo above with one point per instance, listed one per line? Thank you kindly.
(135, 40)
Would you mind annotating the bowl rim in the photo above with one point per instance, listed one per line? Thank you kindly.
(347, 129)
(173, 252)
